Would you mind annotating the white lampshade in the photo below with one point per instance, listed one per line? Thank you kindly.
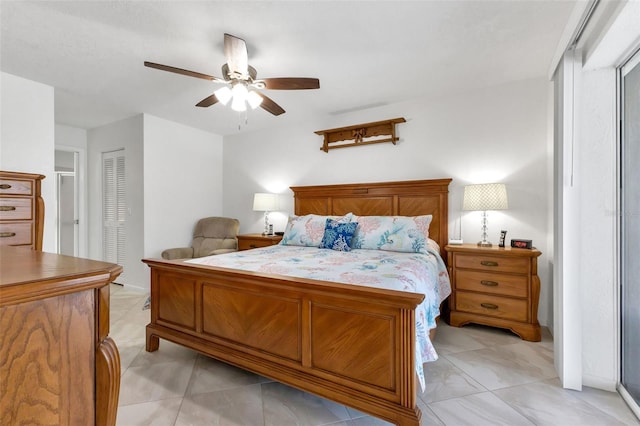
(264, 202)
(487, 196)
(254, 99)
(223, 94)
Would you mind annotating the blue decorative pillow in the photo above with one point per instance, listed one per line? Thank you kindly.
(337, 235)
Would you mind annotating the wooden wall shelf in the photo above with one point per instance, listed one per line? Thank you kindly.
(360, 134)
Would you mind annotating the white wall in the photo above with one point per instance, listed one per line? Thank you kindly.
(27, 139)
(182, 182)
(128, 135)
(174, 177)
(497, 134)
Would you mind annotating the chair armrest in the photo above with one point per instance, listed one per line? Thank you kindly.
(178, 253)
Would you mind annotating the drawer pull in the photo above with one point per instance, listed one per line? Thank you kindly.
(253, 246)
(488, 263)
(489, 283)
(7, 234)
(489, 305)
(5, 186)
(7, 208)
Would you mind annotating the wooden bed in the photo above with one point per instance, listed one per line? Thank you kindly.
(300, 331)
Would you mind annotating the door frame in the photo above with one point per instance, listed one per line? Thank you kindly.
(632, 62)
(82, 196)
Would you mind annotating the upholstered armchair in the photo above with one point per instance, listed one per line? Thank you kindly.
(211, 235)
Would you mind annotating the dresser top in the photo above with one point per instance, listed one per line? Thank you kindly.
(27, 274)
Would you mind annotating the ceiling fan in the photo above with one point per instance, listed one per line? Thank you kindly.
(240, 83)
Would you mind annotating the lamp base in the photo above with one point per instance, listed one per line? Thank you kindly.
(484, 244)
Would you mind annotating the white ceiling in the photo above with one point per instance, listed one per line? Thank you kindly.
(364, 53)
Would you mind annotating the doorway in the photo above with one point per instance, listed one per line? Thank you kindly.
(630, 229)
(67, 206)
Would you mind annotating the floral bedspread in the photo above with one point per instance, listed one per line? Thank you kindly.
(413, 272)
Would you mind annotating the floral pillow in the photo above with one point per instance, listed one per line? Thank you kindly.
(392, 233)
(338, 235)
(308, 230)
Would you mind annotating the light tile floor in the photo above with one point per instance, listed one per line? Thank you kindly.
(484, 376)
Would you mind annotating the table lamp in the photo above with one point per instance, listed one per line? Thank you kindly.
(484, 197)
(263, 202)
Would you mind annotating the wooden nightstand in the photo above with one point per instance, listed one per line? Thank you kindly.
(251, 241)
(495, 286)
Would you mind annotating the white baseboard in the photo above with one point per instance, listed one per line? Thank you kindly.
(599, 383)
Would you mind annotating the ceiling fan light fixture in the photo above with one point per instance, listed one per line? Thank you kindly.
(224, 95)
(240, 94)
(254, 99)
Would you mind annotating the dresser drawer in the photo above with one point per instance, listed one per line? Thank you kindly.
(16, 187)
(15, 234)
(492, 263)
(501, 284)
(493, 306)
(16, 208)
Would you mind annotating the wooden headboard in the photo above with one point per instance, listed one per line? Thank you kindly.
(405, 198)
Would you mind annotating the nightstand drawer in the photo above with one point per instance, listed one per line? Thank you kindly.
(501, 284)
(16, 208)
(251, 241)
(494, 306)
(245, 244)
(492, 263)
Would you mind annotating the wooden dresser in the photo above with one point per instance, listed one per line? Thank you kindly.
(495, 286)
(57, 363)
(251, 241)
(21, 210)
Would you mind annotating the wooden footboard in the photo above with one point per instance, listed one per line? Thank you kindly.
(351, 344)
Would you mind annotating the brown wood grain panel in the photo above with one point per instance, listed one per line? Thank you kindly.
(313, 205)
(176, 300)
(417, 205)
(365, 206)
(260, 321)
(354, 344)
(47, 361)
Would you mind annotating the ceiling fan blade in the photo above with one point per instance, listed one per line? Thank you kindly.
(235, 50)
(268, 105)
(208, 101)
(291, 83)
(180, 71)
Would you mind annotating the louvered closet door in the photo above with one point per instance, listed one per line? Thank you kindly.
(630, 227)
(113, 208)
